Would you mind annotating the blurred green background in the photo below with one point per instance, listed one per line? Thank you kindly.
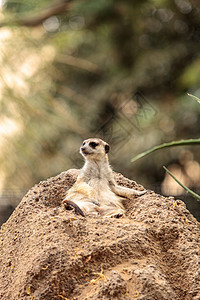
(119, 70)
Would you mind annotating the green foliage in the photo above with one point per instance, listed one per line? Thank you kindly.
(167, 145)
(194, 195)
(172, 144)
(196, 98)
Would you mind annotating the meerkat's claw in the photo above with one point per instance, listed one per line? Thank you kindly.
(95, 202)
(64, 201)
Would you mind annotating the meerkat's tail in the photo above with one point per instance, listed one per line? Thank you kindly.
(75, 206)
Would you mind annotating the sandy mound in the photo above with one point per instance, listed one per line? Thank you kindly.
(47, 252)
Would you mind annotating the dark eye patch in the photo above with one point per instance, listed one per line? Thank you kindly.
(93, 145)
(107, 148)
(83, 143)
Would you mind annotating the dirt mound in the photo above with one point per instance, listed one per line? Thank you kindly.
(47, 252)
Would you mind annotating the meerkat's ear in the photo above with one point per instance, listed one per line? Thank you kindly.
(107, 148)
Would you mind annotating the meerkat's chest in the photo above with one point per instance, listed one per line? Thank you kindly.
(102, 191)
(98, 185)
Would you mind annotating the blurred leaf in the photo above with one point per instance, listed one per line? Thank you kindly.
(194, 97)
(193, 194)
(191, 75)
(167, 145)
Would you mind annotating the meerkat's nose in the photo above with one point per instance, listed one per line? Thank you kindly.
(82, 148)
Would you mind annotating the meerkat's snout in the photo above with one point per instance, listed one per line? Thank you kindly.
(83, 149)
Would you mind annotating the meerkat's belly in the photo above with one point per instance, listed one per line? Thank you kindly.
(95, 197)
(103, 193)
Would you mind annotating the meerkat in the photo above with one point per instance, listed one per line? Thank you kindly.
(95, 191)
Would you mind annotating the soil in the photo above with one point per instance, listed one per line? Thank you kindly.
(48, 252)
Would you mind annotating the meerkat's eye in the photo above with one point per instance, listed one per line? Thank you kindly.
(93, 145)
(83, 143)
(107, 148)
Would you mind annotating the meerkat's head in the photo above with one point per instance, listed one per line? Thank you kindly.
(94, 149)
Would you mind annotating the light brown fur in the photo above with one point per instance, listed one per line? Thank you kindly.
(95, 192)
